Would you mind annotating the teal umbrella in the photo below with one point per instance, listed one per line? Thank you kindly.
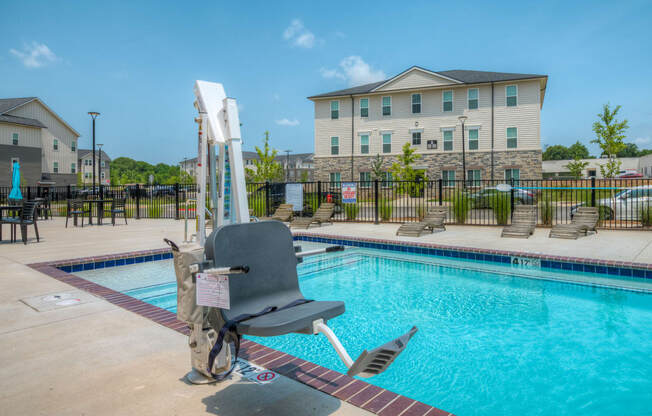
(15, 183)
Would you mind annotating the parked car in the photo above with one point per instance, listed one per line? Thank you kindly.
(482, 199)
(162, 190)
(625, 205)
(628, 174)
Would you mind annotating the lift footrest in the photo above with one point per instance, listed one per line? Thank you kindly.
(374, 362)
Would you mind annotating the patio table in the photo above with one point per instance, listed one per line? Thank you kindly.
(99, 209)
(10, 208)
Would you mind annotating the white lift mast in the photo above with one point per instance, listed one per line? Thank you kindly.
(219, 129)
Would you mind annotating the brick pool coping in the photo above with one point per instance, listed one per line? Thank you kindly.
(356, 392)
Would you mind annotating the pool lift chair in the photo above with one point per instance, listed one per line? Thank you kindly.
(252, 265)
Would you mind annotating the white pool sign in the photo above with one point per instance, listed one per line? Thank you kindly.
(503, 187)
(349, 192)
(255, 373)
(294, 195)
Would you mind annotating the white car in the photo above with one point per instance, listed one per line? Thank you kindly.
(625, 205)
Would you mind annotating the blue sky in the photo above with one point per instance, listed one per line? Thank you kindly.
(136, 62)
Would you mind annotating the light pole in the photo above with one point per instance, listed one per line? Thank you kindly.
(287, 165)
(93, 115)
(99, 169)
(462, 120)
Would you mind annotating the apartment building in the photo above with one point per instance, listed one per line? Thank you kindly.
(41, 141)
(422, 107)
(102, 167)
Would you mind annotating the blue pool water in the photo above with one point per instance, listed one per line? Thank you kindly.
(492, 340)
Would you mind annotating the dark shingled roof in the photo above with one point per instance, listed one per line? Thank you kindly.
(7, 104)
(461, 75)
(21, 121)
(81, 153)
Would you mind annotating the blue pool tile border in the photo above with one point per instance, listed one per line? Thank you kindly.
(579, 264)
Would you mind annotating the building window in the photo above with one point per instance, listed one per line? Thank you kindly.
(473, 98)
(448, 140)
(73, 146)
(416, 138)
(448, 177)
(103, 166)
(448, 100)
(416, 103)
(14, 139)
(87, 175)
(386, 179)
(387, 106)
(432, 144)
(102, 175)
(56, 167)
(335, 110)
(364, 144)
(512, 174)
(387, 143)
(511, 92)
(512, 134)
(55, 144)
(473, 177)
(335, 145)
(335, 178)
(364, 107)
(473, 139)
(365, 179)
(72, 168)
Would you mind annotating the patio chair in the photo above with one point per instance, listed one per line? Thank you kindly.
(117, 208)
(283, 213)
(524, 221)
(323, 215)
(76, 208)
(27, 217)
(43, 208)
(265, 299)
(585, 220)
(434, 219)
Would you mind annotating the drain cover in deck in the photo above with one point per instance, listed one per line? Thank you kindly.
(51, 301)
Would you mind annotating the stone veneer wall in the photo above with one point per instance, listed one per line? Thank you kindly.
(527, 161)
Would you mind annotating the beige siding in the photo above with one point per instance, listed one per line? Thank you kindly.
(432, 119)
(55, 130)
(416, 79)
(27, 136)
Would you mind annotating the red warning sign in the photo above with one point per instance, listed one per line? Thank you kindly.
(266, 376)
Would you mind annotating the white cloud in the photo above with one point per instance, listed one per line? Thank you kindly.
(34, 55)
(298, 35)
(355, 71)
(287, 122)
(643, 140)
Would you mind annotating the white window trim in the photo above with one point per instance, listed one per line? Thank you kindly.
(416, 131)
(412, 137)
(443, 139)
(368, 134)
(446, 129)
(382, 142)
(420, 103)
(468, 99)
(386, 132)
(507, 138)
(382, 105)
(452, 101)
(468, 138)
(515, 86)
(55, 141)
(330, 109)
(360, 107)
(364, 133)
(330, 146)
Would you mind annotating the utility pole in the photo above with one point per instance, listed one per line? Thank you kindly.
(93, 115)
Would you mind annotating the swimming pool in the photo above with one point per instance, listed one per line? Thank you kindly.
(493, 338)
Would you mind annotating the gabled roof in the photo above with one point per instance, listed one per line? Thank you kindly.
(456, 76)
(21, 121)
(82, 153)
(8, 104)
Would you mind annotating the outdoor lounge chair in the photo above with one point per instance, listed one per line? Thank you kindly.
(76, 208)
(283, 213)
(434, 219)
(524, 221)
(117, 208)
(322, 216)
(264, 299)
(584, 220)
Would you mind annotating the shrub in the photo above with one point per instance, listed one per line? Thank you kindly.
(259, 205)
(646, 216)
(385, 209)
(313, 202)
(501, 205)
(351, 211)
(461, 204)
(62, 211)
(545, 209)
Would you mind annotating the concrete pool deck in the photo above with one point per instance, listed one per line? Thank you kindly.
(97, 358)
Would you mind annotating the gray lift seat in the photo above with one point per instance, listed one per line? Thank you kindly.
(272, 281)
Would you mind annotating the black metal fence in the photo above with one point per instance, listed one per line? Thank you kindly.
(623, 203)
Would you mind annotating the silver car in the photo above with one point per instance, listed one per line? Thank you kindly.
(625, 205)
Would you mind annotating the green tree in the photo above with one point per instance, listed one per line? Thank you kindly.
(610, 134)
(266, 169)
(304, 176)
(630, 150)
(576, 167)
(404, 171)
(578, 151)
(377, 171)
(556, 152)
